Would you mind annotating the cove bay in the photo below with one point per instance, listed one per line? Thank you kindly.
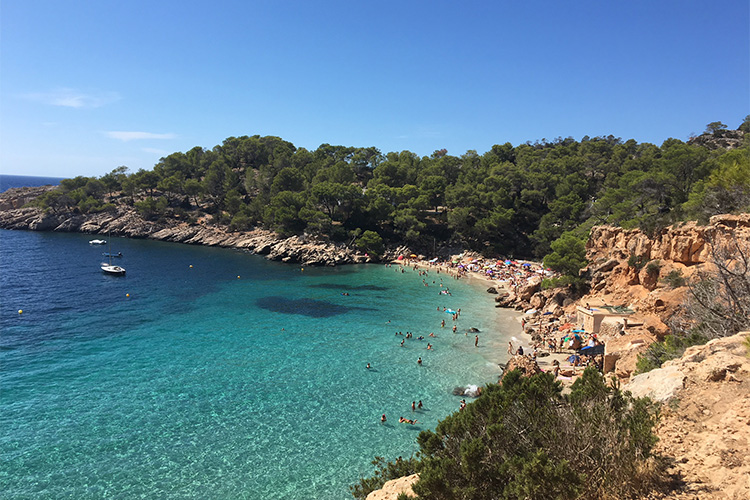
(209, 372)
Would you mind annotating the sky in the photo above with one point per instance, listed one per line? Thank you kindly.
(87, 86)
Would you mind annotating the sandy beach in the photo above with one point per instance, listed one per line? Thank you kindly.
(518, 335)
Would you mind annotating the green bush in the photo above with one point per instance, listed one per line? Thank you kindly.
(524, 439)
(653, 267)
(372, 243)
(562, 282)
(637, 261)
(674, 279)
(672, 347)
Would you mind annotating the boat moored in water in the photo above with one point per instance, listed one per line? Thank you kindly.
(113, 270)
(97, 242)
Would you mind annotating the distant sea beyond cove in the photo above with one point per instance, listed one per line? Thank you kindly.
(16, 181)
(212, 373)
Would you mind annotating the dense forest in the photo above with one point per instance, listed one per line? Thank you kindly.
(509, 201)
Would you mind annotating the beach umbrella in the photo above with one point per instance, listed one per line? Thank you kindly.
(400, 257)
(413, 256)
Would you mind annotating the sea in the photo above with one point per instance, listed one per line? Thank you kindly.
(11, 181)
(213, 373)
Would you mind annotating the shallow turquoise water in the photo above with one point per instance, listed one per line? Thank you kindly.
(236, 378)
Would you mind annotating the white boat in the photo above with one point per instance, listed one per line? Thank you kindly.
(108, 268)
(97, 242)
(115, 270)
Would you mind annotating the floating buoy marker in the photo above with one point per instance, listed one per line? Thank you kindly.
(238, 277)
(20, 311)
(127, 295)
(191, 266)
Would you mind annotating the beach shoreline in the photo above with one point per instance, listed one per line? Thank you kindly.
(508, 321)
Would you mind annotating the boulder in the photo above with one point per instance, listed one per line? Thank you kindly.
(393, 488)
(525, 364)
(660, 384)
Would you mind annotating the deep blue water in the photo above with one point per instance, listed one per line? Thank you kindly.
(234, 378)
(13, 181)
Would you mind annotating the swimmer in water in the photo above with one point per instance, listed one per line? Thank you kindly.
(368, 366)
(419, 405)
(419, 361)
(407, 420)
(382, 419)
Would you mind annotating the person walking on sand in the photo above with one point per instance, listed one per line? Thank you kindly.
(510, 348)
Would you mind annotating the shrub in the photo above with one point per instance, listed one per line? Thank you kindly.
(672, 347)
(524, 439)
(372, 243)
(637, 261)
(653, 267)
(674, 279)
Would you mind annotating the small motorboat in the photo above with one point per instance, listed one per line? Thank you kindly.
(97, 242)
(107, 254)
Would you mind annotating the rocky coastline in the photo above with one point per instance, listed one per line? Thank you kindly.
(16, 214)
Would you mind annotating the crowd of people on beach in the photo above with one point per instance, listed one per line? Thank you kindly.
(551, 335)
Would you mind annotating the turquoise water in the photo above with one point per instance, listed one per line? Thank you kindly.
(236, 378)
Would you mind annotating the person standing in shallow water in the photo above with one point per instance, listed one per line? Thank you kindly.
(476, 341)
(419, 361)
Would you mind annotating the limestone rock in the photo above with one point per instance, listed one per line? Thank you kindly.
(660, 384)
(393, 488)
(525, 364)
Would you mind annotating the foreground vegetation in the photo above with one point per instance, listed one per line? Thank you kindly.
(510, 201)
(524, 439)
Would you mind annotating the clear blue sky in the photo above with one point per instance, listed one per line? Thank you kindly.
(86, 86)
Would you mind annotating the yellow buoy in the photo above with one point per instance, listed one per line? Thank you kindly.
(20, 311)
(303, 269)
(238, 277)
(191, 266)
(127, 295)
